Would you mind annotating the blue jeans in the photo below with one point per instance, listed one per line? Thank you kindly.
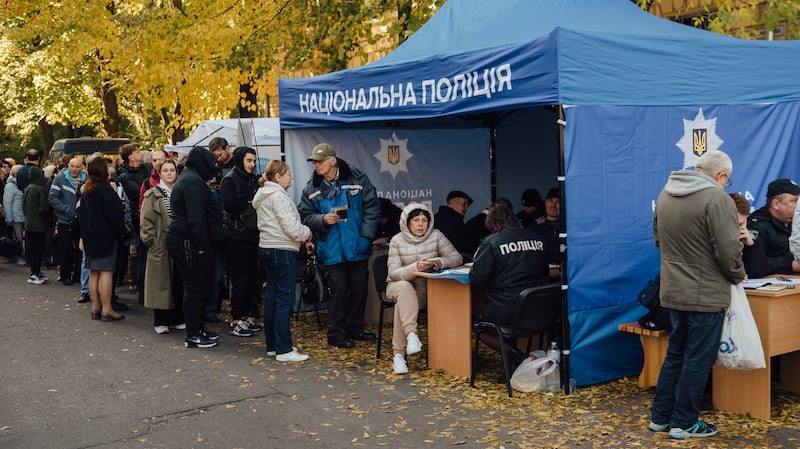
(280, 270)
(692, 350)
(84, 275)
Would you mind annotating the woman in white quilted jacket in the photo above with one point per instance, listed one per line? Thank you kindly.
(280, 233)
(418, 247)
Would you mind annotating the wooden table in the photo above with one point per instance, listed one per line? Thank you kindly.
(450, 306)
(777, 316)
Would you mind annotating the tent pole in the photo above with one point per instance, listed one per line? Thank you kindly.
(562, 240)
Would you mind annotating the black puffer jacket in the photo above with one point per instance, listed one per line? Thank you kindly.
(196, 211)
(131, 180)
(770, 253)
(237, 190)
(507, 263)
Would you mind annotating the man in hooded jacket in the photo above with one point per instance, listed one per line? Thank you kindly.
(241, 229)
(195, 228)
(696, 229)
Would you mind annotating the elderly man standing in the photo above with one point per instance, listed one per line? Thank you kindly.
(771, 228)
(695, 228)
(341, 207)
(63, 197)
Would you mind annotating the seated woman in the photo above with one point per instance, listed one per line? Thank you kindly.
(418, 247)
(504, 267)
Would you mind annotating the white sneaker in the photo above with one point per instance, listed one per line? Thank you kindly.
(43, 277)
(399, 363)
(179, 327)
(36, 280)
(293, 356)
(274, 353)
(413, 345)
(161, 329)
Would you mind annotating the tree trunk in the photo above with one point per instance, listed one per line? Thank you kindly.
(175, 133)
(110, 120)
(247, 100)
(47, 135)
(403, 16)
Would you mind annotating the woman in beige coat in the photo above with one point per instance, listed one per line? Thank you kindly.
(161, 281)
(418, 247)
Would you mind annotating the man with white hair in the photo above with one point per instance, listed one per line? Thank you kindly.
(696, 229)
(63, 197)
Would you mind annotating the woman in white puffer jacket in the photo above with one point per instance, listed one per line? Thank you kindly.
(418, 247)
(280, 233)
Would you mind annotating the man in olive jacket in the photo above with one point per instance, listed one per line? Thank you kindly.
(696, 229)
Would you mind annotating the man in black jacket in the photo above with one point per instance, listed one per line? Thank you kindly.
(131, 174)
(194, 229)
(450, 220)
(241, 229)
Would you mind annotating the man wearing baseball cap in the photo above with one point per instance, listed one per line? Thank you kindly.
(341, 207)
(770, 227)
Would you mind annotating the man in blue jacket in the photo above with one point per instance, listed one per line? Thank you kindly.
(340, 205)
(63, 197)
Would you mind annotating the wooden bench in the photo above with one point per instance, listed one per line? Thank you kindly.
(654, 344)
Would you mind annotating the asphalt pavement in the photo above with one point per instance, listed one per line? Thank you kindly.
(70, 382)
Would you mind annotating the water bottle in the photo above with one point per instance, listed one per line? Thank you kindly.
(554, 353)
(553, 381)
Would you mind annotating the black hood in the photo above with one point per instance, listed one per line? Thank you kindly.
(203, 162)
(238, 156)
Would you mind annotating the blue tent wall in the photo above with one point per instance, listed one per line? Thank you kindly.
(633, 79)
(617, 161)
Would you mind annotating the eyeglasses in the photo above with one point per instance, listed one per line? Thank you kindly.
(728, 183)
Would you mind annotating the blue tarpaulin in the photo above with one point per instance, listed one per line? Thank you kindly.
(643, 96)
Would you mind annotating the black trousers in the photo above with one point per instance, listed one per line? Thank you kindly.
(197, 272)
(35, 250)
(241, 259)
(347, 282)
(67, 253)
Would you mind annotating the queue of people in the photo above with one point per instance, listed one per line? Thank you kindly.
(175, 227)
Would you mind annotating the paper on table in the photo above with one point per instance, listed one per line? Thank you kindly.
(758, 282)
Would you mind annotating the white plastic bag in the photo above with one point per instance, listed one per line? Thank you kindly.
(532, 374)
(740, 344)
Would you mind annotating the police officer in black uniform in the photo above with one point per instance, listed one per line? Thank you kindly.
(508, 261)
(770, 227)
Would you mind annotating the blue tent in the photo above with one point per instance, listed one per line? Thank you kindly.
(641, 96)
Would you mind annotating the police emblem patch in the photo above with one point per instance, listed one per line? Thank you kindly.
(699, 137)
(394, 155)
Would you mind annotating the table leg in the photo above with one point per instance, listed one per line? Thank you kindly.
(730, 395)
(449, 327)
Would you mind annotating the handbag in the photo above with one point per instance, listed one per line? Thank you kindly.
(314, 289)
(740, 344)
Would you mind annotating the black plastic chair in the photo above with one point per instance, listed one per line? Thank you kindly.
(538, 309)
(380, 270)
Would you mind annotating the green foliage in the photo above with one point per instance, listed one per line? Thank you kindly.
(153, 68)
(746, 19)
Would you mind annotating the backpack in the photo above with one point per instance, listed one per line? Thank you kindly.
(657, 318)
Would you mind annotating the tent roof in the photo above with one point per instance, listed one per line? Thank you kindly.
(581, 52)
(250, 132)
